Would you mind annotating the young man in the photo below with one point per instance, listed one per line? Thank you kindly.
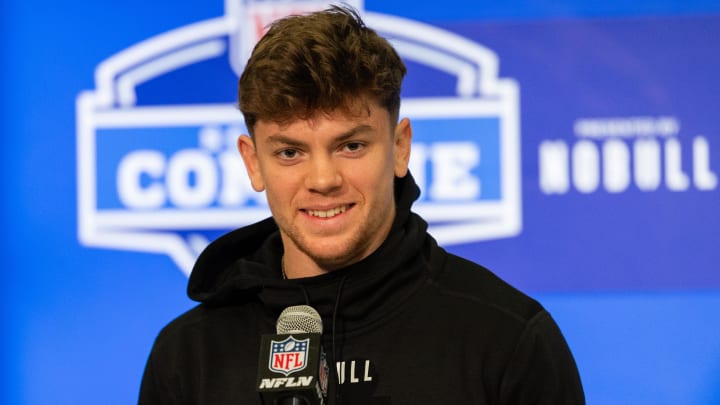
(405, 321)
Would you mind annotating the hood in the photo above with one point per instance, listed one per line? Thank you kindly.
(244, 265)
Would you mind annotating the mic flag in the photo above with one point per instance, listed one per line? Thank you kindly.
(292, 368)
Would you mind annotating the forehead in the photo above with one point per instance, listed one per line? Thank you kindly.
(369, 116)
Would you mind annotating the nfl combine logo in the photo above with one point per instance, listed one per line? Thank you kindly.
(159, 172)
(288, 356)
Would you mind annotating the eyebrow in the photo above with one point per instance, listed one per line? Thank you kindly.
(287, 140)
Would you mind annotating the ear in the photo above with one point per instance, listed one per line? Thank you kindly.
(403, 139)
(246, 147)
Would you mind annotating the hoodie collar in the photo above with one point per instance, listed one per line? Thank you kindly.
(245, 265)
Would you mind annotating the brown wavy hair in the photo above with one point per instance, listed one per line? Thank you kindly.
(320, 62)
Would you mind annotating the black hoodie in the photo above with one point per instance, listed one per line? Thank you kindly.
(409, 324)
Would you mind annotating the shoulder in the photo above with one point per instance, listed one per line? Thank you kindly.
(208, 324)
(476, 287)
(527, 345)
(179, 333)
(184, 323)
(201, 351)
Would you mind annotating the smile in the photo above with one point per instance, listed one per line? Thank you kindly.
(327, 213)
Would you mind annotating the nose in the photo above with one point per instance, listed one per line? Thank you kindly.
(323, 175)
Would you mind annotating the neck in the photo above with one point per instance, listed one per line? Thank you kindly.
(300, 266)
(296, 263)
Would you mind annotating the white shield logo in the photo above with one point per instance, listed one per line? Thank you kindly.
(166, 178)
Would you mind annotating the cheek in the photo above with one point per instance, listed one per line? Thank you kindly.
(279, 196)
(376, 184)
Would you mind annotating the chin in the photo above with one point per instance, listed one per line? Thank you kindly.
(333, 259)
(331, 262)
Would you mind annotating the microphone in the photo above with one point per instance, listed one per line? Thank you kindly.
(292, 368)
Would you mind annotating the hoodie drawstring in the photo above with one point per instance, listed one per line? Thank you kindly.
(305, 294)
(334, 331)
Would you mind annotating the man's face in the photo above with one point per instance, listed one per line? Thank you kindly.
(329, 182)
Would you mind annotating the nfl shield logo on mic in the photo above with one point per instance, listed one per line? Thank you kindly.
(289, 355)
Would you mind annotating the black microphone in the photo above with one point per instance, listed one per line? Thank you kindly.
(292, 368)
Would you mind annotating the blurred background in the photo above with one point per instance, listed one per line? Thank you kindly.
(575, 144)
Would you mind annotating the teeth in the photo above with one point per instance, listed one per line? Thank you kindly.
(329, 213)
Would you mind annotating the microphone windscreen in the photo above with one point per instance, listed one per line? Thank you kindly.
(299, 319)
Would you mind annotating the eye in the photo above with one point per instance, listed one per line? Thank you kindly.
(287, 153)
(353, 146)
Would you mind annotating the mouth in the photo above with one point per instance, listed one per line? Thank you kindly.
(329, 213)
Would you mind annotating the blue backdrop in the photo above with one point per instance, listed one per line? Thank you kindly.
(587, 177)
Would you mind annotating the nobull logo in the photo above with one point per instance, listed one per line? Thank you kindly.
(165, 177)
